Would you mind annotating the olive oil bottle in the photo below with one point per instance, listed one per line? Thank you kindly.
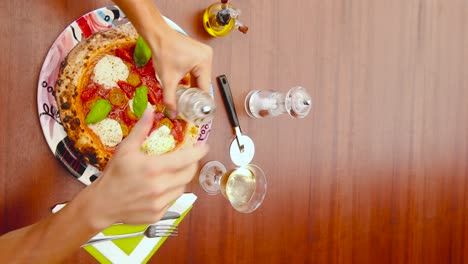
(220, 18)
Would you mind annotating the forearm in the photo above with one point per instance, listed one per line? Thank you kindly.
(51, 240)
(147, 19)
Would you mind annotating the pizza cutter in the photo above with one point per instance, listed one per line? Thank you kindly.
(242, 148)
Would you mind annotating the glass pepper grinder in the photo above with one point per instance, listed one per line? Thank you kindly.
(195, 105)
(222, 17)
(296, 102)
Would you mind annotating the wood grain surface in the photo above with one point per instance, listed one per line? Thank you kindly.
(377, 173)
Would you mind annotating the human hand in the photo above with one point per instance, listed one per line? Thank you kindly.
(174, 56)
(136, 188)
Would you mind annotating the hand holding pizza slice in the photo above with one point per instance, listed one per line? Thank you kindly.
(137, 188)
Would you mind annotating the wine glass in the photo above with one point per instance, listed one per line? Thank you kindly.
(245, 187)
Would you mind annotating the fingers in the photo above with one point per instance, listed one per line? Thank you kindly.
(166, 79)
(161, 213)
(204, 81)
(187, 174)
(169, 92)
(154, 211)
(139, 133)
(203, 76)
(169, 197)
(202, 72)
(199, 63)
(179, 159)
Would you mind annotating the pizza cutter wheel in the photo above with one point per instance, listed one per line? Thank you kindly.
(242, 148)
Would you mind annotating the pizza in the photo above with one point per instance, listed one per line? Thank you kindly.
(101, 94)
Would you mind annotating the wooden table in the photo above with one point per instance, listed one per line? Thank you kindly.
(377, 173)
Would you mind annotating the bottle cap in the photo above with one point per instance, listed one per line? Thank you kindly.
(223, 17)
(243, 29)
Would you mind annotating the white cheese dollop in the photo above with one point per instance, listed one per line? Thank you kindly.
(109, 70)
(159, 141)
(109, 131)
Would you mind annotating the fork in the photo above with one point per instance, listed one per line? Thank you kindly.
(151, 231)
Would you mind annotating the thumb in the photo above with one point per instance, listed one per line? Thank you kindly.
(140, 131)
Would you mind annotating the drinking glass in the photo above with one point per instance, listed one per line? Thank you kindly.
(245, 187)
(296, 102)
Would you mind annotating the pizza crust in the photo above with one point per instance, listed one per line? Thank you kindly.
(190, 136)
(73, 76)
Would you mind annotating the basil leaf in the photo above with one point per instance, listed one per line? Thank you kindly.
(142, 52)
(166, 113)
(100, 109)
(140, 100)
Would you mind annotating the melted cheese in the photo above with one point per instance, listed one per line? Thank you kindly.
(109, 70)
(159, 141)
(109, 131)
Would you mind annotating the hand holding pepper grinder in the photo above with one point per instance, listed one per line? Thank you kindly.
(221, 17)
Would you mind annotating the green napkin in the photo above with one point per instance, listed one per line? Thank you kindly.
(135, 249)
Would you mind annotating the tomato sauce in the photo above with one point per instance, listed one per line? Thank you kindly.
(122, 112)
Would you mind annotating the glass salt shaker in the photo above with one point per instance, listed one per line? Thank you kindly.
(195, 105)
(296, 102)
